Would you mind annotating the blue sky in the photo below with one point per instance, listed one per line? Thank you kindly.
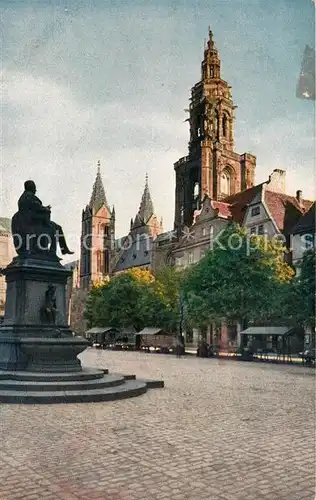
(109, 81)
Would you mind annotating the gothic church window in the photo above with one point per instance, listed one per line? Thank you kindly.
(225, 126)
(182, 214)
(212, 71)
(217, 124)
(225, 183)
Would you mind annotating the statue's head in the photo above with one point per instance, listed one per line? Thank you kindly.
(30, 186)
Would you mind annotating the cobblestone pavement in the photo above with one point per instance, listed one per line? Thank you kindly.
(220, 430)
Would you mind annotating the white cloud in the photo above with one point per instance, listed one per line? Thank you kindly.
(100, 82)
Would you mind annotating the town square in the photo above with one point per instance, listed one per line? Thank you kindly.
(157, 251)
(219, 430)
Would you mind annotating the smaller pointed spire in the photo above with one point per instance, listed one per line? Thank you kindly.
(146, 208)
(98, 198)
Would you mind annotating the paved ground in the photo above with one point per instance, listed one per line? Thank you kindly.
(220, 430)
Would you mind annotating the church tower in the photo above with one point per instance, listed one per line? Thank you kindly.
(97, 236)
(212, 167)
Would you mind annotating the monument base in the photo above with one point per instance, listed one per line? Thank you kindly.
(88, 385)
(39, 353)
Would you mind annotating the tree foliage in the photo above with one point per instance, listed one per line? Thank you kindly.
(299, 301)
(133, 298)
(241, 278)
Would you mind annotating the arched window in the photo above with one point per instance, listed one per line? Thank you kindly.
(212, 71)
(217, 124)
(98, 261)
(182, 214)
(225, 182)
(225, 126)
(196, 190)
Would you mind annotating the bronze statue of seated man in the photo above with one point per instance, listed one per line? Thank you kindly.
(33, 231)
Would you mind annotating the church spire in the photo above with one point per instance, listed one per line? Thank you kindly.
(146, 208)
(98, 198)
(211, 64)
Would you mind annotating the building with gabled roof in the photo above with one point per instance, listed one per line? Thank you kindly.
(7, 252)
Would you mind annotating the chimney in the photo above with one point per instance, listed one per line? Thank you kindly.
(276, 181)
(299, 196)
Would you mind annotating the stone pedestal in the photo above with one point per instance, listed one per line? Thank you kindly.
(26, 341)
(38, 357)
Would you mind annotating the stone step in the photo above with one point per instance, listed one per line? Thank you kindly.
(85, 374)
(130, 388)
(155, 384)
(61, 385)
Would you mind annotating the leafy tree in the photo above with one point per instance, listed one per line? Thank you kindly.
(128, 299)
(299, 303)
(241, 278)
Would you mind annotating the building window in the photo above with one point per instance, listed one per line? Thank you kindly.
(255, 211)
(182, 214)
(203, 252)
(308, 241)
(203, 231)
(225, 126)
(261, 229)
(253, 230)
(212, 71)
(190, 258)
(225, 183)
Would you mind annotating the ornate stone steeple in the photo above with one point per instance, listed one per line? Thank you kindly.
(211, 64)
(146, 220)
(212, 167)
(97, 236)
(98, 198)
(146, 208)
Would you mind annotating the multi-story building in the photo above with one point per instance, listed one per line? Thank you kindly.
(7, 252)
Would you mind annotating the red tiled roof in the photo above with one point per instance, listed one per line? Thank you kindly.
(285, 209)
(238, 202)
(224, 209)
